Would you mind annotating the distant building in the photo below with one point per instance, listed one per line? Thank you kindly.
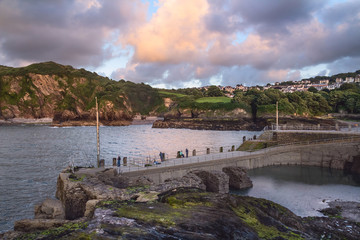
(305, 81)
(241, 87)
(349, 79)
(339, 80)
(324, 81)
(229, 89)
(357, 78)
(318, 86)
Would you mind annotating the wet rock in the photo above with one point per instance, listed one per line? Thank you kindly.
(238, 178)
(29, 225)
(50, 209)
(346, 210)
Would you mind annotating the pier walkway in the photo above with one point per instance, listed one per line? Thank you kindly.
(344, 137)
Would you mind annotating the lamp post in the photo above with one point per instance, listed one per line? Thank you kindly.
(97, 133)
(277, 115)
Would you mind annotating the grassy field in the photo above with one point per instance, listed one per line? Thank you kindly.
(172, 94)
(214, 100)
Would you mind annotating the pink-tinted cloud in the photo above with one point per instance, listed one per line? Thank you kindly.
(238, 41)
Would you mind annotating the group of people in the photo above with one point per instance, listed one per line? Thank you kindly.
(181, 154)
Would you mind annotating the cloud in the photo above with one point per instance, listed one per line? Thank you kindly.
(69, 32)
(175, 33)
(235, 41)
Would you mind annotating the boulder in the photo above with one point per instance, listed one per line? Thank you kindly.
(215, 181)
(75, 190)
(238, 178)
(90, 208)
(50, 209)
(190, 180)
(30, 225)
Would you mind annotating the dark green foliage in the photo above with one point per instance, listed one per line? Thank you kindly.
(312, 89)
(213, 91)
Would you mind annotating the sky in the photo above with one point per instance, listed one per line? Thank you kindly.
(185, 43)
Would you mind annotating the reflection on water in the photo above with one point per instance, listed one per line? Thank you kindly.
(31, 157)
(302, 189)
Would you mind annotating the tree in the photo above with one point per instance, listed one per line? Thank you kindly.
(312, 89)
(214, 91)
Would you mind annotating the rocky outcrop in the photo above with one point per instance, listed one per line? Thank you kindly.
(215, 181)
(50, 209)
(212, 124)
(80, 191)
(238, 178)
(188, 213)
(190, 180)
(348, 210)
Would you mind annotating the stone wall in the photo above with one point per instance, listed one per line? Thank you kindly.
(330, 155)
(294, 136)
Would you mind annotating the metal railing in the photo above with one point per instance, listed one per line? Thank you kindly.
(137, 165)
(353, 127)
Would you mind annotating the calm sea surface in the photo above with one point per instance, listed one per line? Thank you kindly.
(302, 189)
(31, 157)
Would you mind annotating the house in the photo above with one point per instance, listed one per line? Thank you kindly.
(305, 81)
(339, 80)
(357, 78)
(324, 81)
(318, 86)
(229, 89)
(241, 87)
(349, 79)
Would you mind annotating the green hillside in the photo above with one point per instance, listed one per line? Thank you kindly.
(50, 89)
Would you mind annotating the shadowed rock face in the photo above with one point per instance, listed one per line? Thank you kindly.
(50, 209)
(215, 181)
(238, 178)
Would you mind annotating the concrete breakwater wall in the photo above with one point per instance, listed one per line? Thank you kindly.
(330, 155)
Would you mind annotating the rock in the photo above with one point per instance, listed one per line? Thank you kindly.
(141, 181)
(90, 208)
(75, 190)
(190, 213)
(190, 180)
(72, 196)
(147, 196)
(50, 209)
(238, 178)
(215, 181)
(347, 210)
(30, 225)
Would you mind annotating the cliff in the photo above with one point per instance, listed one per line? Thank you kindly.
(63, 93)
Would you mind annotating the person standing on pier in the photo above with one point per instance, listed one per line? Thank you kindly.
(187, 152)
(118, 161)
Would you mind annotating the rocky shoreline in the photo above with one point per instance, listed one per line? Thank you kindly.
(102, 204)
(243, 123)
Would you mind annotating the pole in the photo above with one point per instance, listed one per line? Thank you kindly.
(277, 115)
(97, 133)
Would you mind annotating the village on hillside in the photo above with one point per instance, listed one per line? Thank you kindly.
(290, 87)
